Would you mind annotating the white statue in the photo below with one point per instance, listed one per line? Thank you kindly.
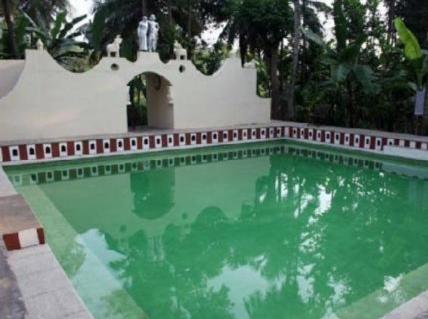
(153, 33)
(40, 46)
(113, 49)
(179, 52)
(143, 28)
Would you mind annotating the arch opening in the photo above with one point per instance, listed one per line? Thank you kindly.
(150, 103)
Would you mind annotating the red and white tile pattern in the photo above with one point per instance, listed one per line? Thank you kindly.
(155, 142)
(25, 238)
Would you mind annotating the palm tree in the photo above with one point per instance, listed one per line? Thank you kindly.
(7, 10)
(261, 27)
(296, 52)
(42, 11)
(61, 41)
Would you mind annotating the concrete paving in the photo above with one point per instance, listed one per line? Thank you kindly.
(417, 308)
(16, 215)
(11, 303)
(45, 288)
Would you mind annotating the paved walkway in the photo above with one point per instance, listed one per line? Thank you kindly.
(11, 303)
(16, 215)
(417, 308)
(45, 288)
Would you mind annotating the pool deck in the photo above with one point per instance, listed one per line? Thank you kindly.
(46, 291)
(417, 308)
(11, 303)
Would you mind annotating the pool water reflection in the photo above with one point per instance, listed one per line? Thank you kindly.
(262, 231)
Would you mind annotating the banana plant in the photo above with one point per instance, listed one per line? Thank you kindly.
(413, 52)
(62, 40)
(346, 74)
(418, 60)
(345, 64)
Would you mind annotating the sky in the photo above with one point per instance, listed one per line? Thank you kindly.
(81, 7)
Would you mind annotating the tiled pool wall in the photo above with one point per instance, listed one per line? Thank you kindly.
(88, 170)
(46, 174)
(73, 148)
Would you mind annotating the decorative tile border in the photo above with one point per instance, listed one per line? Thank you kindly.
(24, 153)
(25, 238)
(88, 170)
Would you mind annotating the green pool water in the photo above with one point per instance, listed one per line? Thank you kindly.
(265, 231)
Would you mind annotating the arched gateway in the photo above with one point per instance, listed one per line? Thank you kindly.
(157, 109)
(51, 102)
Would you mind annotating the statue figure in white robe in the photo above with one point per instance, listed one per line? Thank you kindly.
(153, 33)
(143, 28)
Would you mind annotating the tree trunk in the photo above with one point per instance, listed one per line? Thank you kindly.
(295, 65)
(351, 106)
(391, 14)
(282, 77)
(275, 84)
(7, 10)
(169, 5)
(144, 8)
(425, 117)
(303, 66)
(189, 19)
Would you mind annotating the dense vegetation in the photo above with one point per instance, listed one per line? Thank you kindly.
(360, 72)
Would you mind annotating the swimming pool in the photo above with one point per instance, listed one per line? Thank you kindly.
(272, 230)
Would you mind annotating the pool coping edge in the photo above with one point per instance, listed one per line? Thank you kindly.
(23, 252)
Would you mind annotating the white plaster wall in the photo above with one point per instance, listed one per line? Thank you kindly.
(49, 102)
(10, 71)
(160, 112)
(228, 98)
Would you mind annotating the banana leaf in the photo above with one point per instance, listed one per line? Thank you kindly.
(412, 48)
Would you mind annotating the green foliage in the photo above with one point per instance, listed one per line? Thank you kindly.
(356, 76)
(412, 49)
(413, 52)
(258, 24)
(62, 40)
(415, 16)
(209, 60)
(43, 12)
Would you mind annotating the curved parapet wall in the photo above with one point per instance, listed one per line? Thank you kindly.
(10, 72)
(50, 102)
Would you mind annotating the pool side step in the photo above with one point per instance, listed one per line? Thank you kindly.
(382, 301)
(18, 225)
(6, 187)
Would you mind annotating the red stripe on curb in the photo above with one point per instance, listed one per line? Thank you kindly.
(11, 241)
(41, 235)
